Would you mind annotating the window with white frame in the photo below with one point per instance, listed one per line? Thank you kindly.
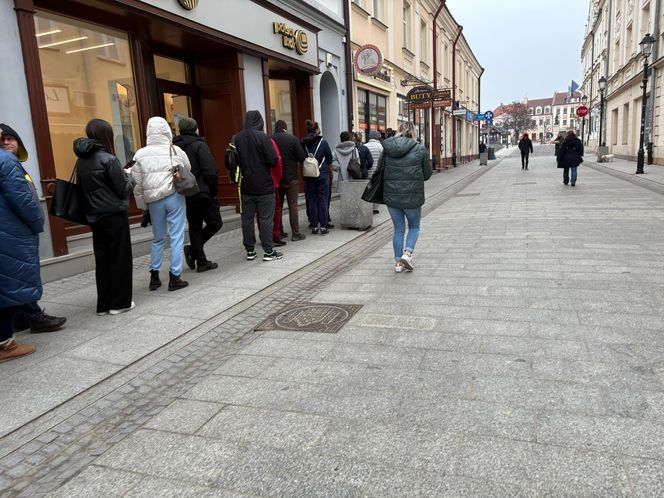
(406, 24)
(378, 9)
(423, 42)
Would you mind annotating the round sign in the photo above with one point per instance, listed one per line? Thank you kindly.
(488, 115)
(368, 60)
(581, 111)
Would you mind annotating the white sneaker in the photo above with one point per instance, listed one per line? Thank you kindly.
(123, 310)
(407, 261)
(101, 313)
(398, 268)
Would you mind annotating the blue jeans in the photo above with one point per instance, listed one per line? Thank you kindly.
(398, 220)
(317, 192)
(566, 178)
(170, 213)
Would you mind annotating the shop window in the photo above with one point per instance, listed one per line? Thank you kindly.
(87, 74)
(280, 103)
(372, 112)
(171, 69)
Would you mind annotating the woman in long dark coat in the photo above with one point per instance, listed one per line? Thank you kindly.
(570, 156)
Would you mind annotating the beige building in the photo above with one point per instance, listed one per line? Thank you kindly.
(611, 50)
(403, 30)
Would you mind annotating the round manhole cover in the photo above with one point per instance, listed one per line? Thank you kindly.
(311, 317)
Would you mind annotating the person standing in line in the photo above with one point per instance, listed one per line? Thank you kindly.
(292, 153)
(30, 315)
(155, 191)
(21, 222)
(317, 189)
(344, 151)
(256, 158)
(526, 147)
(376, 149)
(570, 156)
(107, 188)
(407, 167)
(202, 207)
(366, 159)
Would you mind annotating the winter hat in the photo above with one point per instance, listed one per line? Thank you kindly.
(187, 125)
(22, 153)
(373, 134)
(280, 125)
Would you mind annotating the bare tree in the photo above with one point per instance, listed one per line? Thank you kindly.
(517, 117)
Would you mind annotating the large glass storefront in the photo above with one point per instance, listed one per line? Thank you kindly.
(372, 112)
(87, 73)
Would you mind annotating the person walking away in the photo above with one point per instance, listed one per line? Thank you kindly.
(376, 149)
(366, 159)
(256, 156)
(407, 167)
(21, 221)
(317, 189)
(155, 191)
(292, 153)
(30, 315)
(107, 188)
(202, 207)
(526, 147)
(570, 156)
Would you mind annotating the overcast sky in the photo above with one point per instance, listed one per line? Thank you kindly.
(527, 47)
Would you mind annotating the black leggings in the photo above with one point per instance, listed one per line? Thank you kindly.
(524, 159)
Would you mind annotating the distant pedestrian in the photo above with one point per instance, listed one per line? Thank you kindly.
(366, 159)
(30, 315)
(570, 156)
(407, 167)
(376, 149)
(21, 221)
(317, 189)
(202, 207)
(292, 153)
(256, 158)
(526, 147)
(155, 191)
(107, 188)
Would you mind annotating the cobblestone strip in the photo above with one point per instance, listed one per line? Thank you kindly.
(636, 180)
(55, 456)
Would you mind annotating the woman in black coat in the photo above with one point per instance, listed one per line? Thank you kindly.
(526, 147)
(107, 189)
(570, 156)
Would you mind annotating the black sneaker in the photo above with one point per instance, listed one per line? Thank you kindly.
(324, 231)
(251, 255)
(299, 236)
(314, 231)
(155, 283)
(272, 256)
(283, 235)
(175, 282)
(188, 258)
(46, 323)
(279, 243)
(205, 265)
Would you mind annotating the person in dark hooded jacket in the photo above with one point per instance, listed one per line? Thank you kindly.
(570, 156)
(317, 189)
(257, 155)
(407, 167)
(202, 207)
(107, 189)
(526, 147)
(366, 159)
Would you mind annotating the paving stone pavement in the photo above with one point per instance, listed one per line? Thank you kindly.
(522, 357)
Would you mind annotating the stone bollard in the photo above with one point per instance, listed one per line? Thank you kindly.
(355, 213)
(484, 158)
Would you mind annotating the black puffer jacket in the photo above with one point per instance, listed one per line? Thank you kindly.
(106, 186)
(526, 145)
(407, 167)
(203, 165)
(257, 155)
(570, 154)
(292, 152)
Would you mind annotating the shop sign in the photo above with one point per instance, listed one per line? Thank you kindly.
(382, 76)
(368, 60)
(188, 4)
(442, 98)
(459, 112)
(419, 97)
(293, 39)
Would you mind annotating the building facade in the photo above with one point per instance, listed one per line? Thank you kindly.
(611, 50)
(403, 31)
(126, 61)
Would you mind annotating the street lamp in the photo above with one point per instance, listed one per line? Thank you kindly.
(602, 88)
(584, 102)
(646, 50)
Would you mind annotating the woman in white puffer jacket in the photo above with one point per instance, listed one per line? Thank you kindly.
(154, 191)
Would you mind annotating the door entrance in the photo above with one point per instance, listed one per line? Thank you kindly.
(176, 101)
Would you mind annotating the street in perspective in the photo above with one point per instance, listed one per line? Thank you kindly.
(331, 248)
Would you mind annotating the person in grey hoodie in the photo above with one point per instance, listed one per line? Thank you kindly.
(344, 151)
(407, 167)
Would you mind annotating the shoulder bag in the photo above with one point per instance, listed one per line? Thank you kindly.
(184, 180)
(374, 190)
(68, 201)
(354, 168)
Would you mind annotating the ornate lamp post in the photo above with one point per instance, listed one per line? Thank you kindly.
(584, 102)
(646, 50)
(602, 88)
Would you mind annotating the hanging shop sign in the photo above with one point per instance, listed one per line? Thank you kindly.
(368, 60)
(442, 98)
(419, 97)
(188, 4)
(293, 39)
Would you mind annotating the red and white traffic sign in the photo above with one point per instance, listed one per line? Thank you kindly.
(582, 111)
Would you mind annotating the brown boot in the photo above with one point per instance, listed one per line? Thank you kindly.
(13, 350)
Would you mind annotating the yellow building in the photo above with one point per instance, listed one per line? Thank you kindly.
(403, 32)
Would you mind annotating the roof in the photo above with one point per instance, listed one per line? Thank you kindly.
(539, 102)
(559, 98)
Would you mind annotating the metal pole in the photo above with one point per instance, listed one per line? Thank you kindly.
(601, 118)
(641, 154)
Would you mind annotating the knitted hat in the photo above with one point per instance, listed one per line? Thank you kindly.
(187, 124)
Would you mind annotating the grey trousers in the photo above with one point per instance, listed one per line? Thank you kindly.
(264, 204)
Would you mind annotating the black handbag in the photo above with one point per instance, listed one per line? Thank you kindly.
(68, 201)
(354, 167)
(374, 189)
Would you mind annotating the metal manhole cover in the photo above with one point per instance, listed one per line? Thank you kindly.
(468, 195)
(525, 183)
(311, 317)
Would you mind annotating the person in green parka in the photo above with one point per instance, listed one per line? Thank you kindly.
(407, 167)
